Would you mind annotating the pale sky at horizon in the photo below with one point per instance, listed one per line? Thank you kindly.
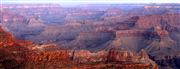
(75, 2)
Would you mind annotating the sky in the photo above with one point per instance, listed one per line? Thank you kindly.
(74, 2)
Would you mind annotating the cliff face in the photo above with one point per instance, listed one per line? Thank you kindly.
(92, 41)
(13, 52)
(149, 21)
(6, 38)
(163, 49)
(130, 39)
(20, 25)
(86, 59)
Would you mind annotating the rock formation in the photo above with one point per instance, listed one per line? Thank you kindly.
(93, 31)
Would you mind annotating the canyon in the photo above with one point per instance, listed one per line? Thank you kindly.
(90, 36)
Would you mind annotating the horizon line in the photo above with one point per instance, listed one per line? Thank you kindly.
(87, 1)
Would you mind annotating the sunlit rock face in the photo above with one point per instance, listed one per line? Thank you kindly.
(117, 56)
(13, 52)
(111, 55)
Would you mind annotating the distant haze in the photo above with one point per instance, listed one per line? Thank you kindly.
(77, 2)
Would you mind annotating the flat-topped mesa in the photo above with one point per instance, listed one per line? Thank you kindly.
(149, 21)
(129, 39)
(83, 16)
(90, 35)
(150, 7)
(129, 33)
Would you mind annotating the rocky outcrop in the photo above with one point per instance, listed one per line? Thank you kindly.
(93, 41)
(13, 52)
(149, 21)
(129, 39)
(161, 46)
(35, 22)
(6, 38)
